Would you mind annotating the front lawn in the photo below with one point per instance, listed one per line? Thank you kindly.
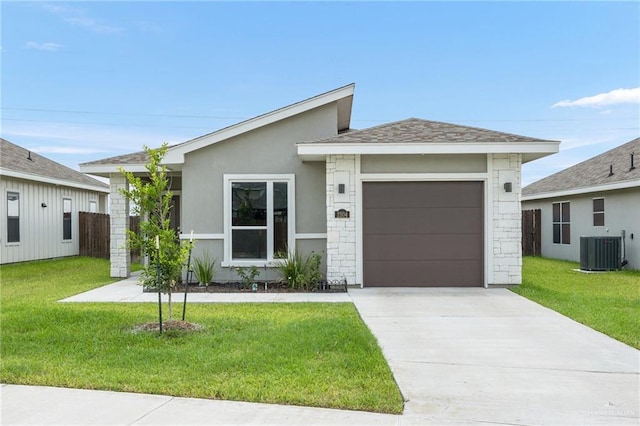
(313, 354)
(608, 302)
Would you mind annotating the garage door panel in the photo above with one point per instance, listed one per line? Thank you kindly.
(423, 221)
(416, 194)
(466, 273)
(423, 234)
(417, 247)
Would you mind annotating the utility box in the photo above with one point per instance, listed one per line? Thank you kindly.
(600, 253)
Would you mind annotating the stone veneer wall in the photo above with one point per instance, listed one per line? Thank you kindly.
(341, 232)
(507, 231)
(120, 255)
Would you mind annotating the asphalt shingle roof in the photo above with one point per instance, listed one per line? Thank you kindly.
(593, 172)
(415, 130)
(16, 158)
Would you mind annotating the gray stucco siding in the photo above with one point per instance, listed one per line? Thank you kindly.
(440, 163)
(620, 214)
(264, 151)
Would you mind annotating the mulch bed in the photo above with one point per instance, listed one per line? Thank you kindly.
(167, 326)
(239, 287)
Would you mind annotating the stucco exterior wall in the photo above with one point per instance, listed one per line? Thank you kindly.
(620, 206)
(506, 232)
(442, 163)
(41, 228)
(268, 150)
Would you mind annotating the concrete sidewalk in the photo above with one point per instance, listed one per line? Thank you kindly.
(459, 356)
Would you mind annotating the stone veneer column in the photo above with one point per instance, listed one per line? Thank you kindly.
(507, 230)
(341, 232)
(120, 254)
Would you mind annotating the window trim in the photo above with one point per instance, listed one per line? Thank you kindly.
(599, 212)
(70, 239)
(228, 180)
(95, 203)
(560, 222)
(6, 198)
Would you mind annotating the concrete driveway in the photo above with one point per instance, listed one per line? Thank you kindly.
(477, 355)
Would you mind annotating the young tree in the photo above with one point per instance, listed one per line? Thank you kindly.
(151, 200)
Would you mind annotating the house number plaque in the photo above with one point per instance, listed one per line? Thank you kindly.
(342, 214)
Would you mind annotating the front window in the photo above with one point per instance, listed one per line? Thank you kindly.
(66, 218)
(562, 223)
(93, 206)
(598, 212)
(259, 212)
(13, 217)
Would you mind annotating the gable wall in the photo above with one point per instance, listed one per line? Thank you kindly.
(620, 206)
(268, 150)
(41, 227)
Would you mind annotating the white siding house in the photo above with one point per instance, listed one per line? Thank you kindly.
(596, 198)
(40, 204)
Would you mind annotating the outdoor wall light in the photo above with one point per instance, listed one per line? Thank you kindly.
(508, 187)
(43, 205)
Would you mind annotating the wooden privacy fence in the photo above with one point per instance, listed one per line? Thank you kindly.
(531, 232)
(95, 235)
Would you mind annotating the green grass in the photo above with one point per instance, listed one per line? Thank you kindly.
(608, 302)
(314, 354)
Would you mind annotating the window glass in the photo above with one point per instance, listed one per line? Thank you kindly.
(280, 219)
(598, 212)
(13, 217)
(66, 218)
(561, 223)
(259, 218)
(249, 244)
(249, 200)
(93, 206)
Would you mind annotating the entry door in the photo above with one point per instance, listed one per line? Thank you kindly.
(423, 234)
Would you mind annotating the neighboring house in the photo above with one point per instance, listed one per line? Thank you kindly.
(409, 203)
(40, 204)
(598, 197)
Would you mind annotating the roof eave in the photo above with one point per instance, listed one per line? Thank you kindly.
(52, 181)
(343, 96)
(530, 151)
(634, 183)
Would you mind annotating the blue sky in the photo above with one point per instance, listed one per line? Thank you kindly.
(87, 80)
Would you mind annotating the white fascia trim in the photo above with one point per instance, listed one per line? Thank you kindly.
(577, 191)
(311, 236)
(313, 150)
(52, 181)
(197, 237)
(176, 155)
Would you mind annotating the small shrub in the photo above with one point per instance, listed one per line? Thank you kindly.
(204, 268)
(300, 272)
(248, 275)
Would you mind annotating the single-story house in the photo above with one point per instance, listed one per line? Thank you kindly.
(596, 198)
(41, 201)
(408, 203)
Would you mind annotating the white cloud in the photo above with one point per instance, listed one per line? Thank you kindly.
(49, 46)
(78, 17)
(614, 97)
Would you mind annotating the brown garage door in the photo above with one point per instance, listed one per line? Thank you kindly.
(423, 234)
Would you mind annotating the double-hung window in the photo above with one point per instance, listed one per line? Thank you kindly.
(66, 219)
(258, 217)
(13, 217)
(562, 223)
(598, 212)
